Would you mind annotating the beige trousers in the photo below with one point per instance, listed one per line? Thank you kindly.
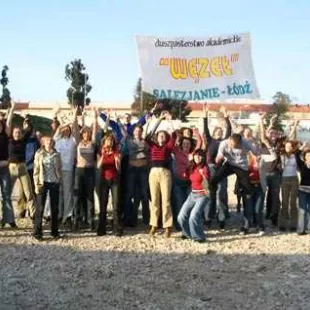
(19, 172)
(160, 187)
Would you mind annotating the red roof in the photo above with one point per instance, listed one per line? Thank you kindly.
(248, 107)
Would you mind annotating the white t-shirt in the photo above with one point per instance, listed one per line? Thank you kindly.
(66, 147)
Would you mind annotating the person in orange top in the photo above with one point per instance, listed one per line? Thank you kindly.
(109, 163)
(191, 216)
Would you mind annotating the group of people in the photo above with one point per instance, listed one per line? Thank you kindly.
(178, 176)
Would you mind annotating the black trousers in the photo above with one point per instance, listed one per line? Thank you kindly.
(53, 190)
(105, 187)
(84, 185)
(227, 170)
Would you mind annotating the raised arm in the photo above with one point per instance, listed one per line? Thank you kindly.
(150, 135)
(114, 126)
(9, 119)
(95, 126)
(272, 122)
(293, 133)
(263, 137)
(205, 121)
(75, 125)
(198, 137)
(227, 121)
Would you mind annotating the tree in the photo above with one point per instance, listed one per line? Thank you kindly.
(5, 99)
(148, 101)
(178, 109)
(79, 86)
(280, 107)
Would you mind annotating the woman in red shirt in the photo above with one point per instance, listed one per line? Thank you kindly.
(191, 215)
(109, 162)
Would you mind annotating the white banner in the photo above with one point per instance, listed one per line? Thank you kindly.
(195, 68)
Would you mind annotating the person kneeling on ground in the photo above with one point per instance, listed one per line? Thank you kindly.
(190, 217)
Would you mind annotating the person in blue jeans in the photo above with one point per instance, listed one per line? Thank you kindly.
(303, 163)
(5, 178)
(190, 217)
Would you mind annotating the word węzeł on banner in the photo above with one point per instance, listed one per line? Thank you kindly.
(197, 68)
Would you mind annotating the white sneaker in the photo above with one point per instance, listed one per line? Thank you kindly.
(261, 233)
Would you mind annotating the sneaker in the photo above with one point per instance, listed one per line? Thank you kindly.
(261, 233)
(168, 232)
(183, 237)
(56, 236)
(38, 237)
(222, 225)
(13, 225)
(243, 231)
(118, 233)
(101, 233)
(302, 233)
(152, 231)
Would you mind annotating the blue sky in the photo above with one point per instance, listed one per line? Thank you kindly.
(39, 37)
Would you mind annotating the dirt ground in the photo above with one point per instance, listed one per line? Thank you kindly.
(83, 271)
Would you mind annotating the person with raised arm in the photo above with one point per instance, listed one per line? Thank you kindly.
(47, 177)
(18, 168)
(184, 147)
(288, 212)
(190, 217)
(303, 163)
(161, 146)
(65, 144)
(218, 196)
(271, 166)
(137, 177)
(84, 181)
(5, 180)
(232, 156)
(109, 161)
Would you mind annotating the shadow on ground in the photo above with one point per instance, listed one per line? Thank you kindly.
(55, 276)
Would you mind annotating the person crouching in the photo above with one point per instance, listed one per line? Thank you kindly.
(191, 215)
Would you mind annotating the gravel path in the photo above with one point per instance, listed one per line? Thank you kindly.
(82, 271)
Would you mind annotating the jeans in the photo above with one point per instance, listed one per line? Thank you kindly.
(218, 198)
(5, 187)
(180, 191)
(137, 190)
(53, 190)
(255, 214)
(105, 187)
(288, 209)
(273, 180)
(84, 185)
(66, 195)
(303, 212)
(190, 217)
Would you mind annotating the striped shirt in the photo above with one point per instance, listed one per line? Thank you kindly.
(161, 155)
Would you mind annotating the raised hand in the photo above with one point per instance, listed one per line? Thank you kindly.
(155, 107)
(205, 109)
(224, 111)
